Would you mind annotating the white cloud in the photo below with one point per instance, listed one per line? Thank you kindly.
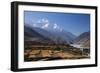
(45, 25)
(45, 20)
(55, 26)
(39, 21)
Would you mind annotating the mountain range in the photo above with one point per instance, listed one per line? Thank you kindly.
(44, 32)
(40, 34)
(83, 39)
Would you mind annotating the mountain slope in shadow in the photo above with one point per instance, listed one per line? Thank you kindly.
(32, 35)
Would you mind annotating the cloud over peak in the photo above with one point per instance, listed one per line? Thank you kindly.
(46, 24)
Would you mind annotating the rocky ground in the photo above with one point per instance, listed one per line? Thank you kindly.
(45, 55)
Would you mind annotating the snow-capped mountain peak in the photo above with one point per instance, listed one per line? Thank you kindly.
(56, 27)
(46, 24)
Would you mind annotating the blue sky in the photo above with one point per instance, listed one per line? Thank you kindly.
(73, 22)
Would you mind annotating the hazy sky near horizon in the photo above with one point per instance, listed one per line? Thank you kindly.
(73, 22)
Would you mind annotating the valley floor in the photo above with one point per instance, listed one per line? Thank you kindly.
(53, 53)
